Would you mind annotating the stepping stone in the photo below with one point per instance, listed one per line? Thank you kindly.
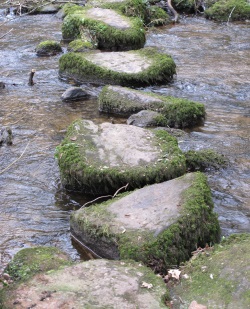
(140, 67)
(159, 224)
(109, 29)
(100, 159)
(92, 284)
(174, 112)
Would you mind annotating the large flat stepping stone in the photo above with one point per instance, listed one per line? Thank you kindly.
(158, 224)
(99, 159)
(176, 112)
(140, 67)
(93, 284)
(106, 28)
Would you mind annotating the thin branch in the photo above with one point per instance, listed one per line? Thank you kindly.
(4, 170)
(230, 15)
(6, 33)
(105, 196)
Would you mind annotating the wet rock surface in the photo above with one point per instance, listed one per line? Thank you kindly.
(74, 94)
(93, 284)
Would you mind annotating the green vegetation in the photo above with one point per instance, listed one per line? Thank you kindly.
(48, 48)
(81, 171)
(204, 159)
(161, 70)
(80, 46)
(223, 9)
(220, 279)
(27, 262)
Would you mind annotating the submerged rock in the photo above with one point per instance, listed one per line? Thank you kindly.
(174, 112)
(158, 224)
(2, 85)
(6, 136)
(99, 159)
(220, 279)
(137, 67)
(92, 284)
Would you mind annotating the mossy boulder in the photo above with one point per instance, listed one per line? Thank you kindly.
(220, 279)
(145, 118)
(92, 284)
(30, 261)
(100, 159)
(137, 67)
(175, 112)
(229, 10)
(107, 28)
(48, 48)
(151, 15)
(159, 224)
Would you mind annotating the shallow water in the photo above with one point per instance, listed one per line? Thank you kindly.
(212, 67)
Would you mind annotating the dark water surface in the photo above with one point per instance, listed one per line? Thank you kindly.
(213, 68)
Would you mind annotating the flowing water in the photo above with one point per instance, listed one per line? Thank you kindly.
(212, 67)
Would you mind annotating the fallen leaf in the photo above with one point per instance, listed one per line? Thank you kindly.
(175, 273)
(146, 285)
(73, 138)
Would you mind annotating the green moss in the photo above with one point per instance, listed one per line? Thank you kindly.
(80, 46)
(184, 5)
(229, 267)
(204, 159)
(48, 48)
(107, 37)
(236, 9)
(28, 262)
(176, 112)
(80, 173)
(70, 8)
(79, 68)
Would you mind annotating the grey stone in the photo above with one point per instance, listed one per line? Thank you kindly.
(144, 118)
(92, 284)
(74, 94)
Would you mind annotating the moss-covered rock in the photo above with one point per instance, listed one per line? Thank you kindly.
(229, 10)
(48, 48)
(99, 159)
(138, 67)
(109, 29)
(204, 159)
(92, 284)
(175, 112)
(27, 262)
(159, 225)
(220, 279)
(151, 15)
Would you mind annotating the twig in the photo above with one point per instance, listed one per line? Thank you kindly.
(6, 33)
(230, 15)
(105, 196)
(5, 169)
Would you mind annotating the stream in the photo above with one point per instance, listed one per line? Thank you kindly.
(213, 67)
